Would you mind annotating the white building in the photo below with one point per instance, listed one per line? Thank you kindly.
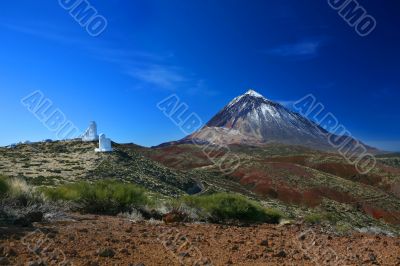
(104, 144)
(91, 133)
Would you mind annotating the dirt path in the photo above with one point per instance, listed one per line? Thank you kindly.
(100, 240)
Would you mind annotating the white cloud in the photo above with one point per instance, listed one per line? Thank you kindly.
(305, 49)
(146, 68)
(158, 75)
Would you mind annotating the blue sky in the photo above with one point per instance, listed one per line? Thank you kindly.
(205, 51)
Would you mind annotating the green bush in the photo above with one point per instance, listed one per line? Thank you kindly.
(18, 193)
(4, 187)
(224, 207)
(322, 216)
(315, 218)
(105, 197)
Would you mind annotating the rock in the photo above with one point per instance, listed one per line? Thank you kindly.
(90, 133)
(51, 235)
(175, 216)
(124, 251)
(372, 257)
(252, 256)
(184, 254)
(28, 219)
(37, 250)
(35, 217)
(281, 254)
(92, 263)
(23, 222)
(10, 252)
(4, 261)
(151, 214)
(264, 243)
(107, 252)
(73, 253)
(36, 263)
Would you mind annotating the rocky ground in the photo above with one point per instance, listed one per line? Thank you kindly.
(102, 240)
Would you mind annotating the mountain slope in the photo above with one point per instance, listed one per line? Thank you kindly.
(254, 120)
(295, 176)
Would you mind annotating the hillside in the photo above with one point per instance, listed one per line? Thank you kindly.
(298, 176)
(293, 179)
(54, 163)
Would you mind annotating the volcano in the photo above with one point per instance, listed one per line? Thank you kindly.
(252, 119)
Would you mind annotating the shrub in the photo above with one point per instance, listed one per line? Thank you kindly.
(18, 192)
(315, 218)
(106, 197)
(322, 216)
(3, 187)
(224, 207)
(18, 188)
(343, 228)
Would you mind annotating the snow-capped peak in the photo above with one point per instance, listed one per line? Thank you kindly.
(266, 121)
(254, 94)
(250, 92)
(252, 119)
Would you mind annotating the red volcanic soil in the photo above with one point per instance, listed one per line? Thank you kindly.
(269, 177)
(388, 169)
(289, 159)
(272, 184)
(338, 169)
(389, 216)
(186, 157)
(180, 157)
(100, 240)
(344, 170)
